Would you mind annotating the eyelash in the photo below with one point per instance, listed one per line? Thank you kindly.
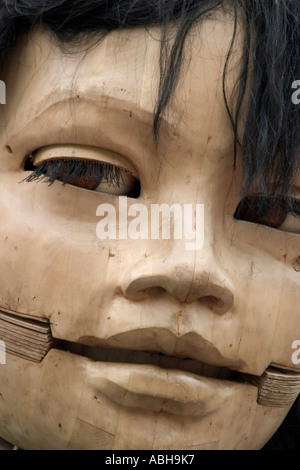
(81, 173)
(51, 170)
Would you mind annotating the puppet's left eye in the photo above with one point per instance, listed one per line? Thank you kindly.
(85, 168)
(274, 213)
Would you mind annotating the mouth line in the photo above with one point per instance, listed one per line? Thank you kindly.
(275, 387)
(31, 338)
(158, 359)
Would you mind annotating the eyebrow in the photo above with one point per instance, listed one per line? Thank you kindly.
(105, 101)
(98, 104)
(98, 100)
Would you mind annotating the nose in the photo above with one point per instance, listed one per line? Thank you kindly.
(187, 276)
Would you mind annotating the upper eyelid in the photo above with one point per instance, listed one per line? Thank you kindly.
(82, 152)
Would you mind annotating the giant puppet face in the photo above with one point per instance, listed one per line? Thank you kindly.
(159, 336)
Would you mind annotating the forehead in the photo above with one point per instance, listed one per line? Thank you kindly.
(123, 70)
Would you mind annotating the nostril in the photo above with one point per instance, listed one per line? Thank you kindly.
(219, 304)
(212, 302)
(153, 292)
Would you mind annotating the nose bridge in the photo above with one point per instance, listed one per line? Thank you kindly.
(211, 282)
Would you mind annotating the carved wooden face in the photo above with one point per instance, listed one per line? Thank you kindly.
(153, 335)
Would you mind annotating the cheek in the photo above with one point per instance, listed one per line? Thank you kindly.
(52, 260)
(288, 321)
(265, 316)
(258, 304)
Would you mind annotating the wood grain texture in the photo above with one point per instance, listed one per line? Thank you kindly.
(276, 388)
(28, 338)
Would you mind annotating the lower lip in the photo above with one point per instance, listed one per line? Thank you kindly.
(155, 389)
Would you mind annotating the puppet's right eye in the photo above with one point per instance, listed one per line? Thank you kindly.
(261, 210)
(271, 212)
(83, 167)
